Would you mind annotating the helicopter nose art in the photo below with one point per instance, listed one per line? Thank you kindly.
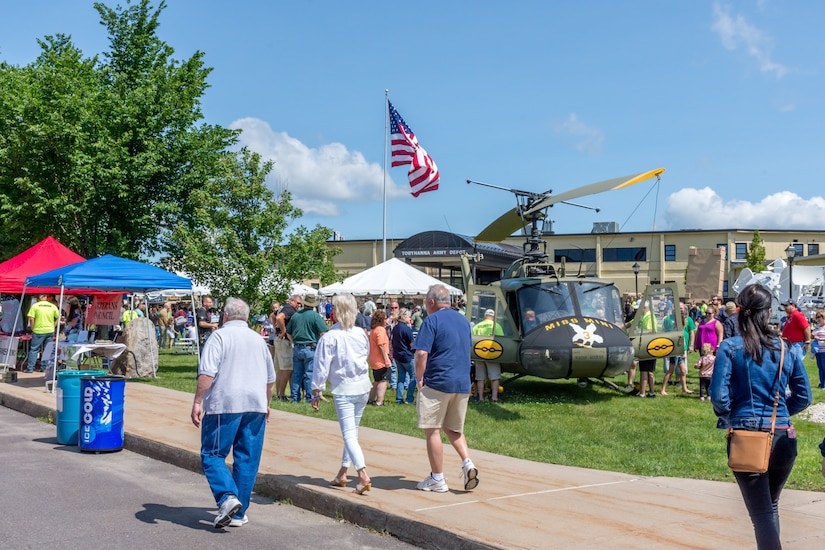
(488, 350)
(576, 348)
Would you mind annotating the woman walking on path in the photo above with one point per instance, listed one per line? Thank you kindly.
(743, 387)
(341, 358)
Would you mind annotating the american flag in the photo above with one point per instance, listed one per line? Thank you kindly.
(405, 150)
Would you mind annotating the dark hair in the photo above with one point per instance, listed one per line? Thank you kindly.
(378, 319)
(754, 321)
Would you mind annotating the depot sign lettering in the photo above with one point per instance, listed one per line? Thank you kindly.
(433, 252)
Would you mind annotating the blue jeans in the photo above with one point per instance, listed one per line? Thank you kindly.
(349, 409)
(38, 340)
(302, 357)
(406, 377)
(393, 373)
(820, 365)
(761, 491)
(244, 434)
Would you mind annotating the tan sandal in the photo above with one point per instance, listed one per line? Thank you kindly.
(337, 482)
(361, 489)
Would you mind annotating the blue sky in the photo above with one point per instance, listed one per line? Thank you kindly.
(534, 95)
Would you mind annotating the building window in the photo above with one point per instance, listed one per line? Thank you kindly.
(724, 289)
(629, 254)
(741, 251)
(725, 246)
(575, 255)
(670, 252)
(799, 249)
(813, 249)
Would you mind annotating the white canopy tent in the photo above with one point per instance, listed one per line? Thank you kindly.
(392, 277)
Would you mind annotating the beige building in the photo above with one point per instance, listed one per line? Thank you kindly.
(661, 256)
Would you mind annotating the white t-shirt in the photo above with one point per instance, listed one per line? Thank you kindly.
(239, 361)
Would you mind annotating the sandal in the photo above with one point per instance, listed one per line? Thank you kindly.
(337, 482)
(361, 489)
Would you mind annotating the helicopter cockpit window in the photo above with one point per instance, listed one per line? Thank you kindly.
(602, 301)
(657, 313)
(484, 302)
(542, 303)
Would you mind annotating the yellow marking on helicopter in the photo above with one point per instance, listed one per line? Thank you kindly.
(660, 347)
(488, 349)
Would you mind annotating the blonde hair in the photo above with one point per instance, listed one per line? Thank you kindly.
(707, 349)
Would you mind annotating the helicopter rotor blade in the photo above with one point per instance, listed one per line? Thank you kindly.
(593, 188)
(511, 221)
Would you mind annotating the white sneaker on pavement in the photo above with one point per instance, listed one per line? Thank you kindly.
(230, 506)
(469, 473)
(431, 484)
(237, 522)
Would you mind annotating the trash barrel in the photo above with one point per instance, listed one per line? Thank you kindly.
(101, 413)
(68, 403)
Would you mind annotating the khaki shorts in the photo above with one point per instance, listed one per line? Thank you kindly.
(282, 354)
(487, 371)
(441, 410)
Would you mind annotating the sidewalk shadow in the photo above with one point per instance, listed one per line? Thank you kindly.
(185, 516)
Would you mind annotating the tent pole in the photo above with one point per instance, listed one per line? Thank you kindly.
(13, 329)
(57, 339)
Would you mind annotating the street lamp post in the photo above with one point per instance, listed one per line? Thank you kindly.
(636, 273)
(790, 252)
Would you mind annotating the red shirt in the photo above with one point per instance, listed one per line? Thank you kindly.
(795, 326)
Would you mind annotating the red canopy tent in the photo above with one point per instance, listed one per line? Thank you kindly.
(46, 255)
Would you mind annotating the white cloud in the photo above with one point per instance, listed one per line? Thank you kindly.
(321, 178)
(691, 208)
(588, 140)
(735, 32)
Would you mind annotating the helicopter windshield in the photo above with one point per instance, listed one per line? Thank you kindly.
(540, 304)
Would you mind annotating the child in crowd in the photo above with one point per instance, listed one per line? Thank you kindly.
(705, 366)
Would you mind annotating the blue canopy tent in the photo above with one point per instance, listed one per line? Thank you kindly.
(109, 274)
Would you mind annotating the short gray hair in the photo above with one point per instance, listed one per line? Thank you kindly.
(439, 294)
(236, 310)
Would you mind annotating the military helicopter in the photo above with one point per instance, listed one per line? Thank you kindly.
(554, 325)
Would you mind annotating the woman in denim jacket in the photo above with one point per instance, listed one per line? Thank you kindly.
(742, 390)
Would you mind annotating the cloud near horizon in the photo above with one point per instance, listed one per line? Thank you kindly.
(320, 179)
(691, 208)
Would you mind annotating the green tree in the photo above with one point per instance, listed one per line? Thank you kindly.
(102, 153)
(236, 240)
(755, 257)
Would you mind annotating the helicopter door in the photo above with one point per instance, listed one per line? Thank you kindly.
(656, 330)
(493, 336)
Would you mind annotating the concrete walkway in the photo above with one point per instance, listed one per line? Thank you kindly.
(518, 503)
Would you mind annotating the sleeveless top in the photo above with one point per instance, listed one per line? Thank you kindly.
(706, 334)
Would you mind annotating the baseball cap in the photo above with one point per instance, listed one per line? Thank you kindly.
(789, 302)
(730, 307)
(490, 312)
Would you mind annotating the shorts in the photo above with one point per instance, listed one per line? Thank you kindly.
(441, 410)
(679, 363)
(648, 365)
(381, 374)
(487, 371)
(281, 351)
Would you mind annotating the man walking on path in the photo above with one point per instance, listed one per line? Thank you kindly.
(442, 373)
(236, 377)
(43, 316)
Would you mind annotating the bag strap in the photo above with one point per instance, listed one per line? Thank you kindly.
(778, 385)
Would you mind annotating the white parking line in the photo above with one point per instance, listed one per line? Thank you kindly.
(531, 493)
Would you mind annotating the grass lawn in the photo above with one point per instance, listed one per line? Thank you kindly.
(560, 423)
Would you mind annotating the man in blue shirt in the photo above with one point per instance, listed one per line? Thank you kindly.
(442, 374)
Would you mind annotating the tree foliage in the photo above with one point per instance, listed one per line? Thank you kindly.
(235, 241)
(755, 257)
(101, 153)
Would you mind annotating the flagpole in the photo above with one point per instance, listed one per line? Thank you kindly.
(386, 125)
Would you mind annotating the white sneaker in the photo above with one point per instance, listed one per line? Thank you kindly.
(469, 473)
(237, 522)
(430, 484)
(231, 506)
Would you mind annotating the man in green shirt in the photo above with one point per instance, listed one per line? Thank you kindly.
(680, 363)
(43, 316)
(486, 370)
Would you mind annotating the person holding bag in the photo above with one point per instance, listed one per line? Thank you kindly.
(758, 383)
